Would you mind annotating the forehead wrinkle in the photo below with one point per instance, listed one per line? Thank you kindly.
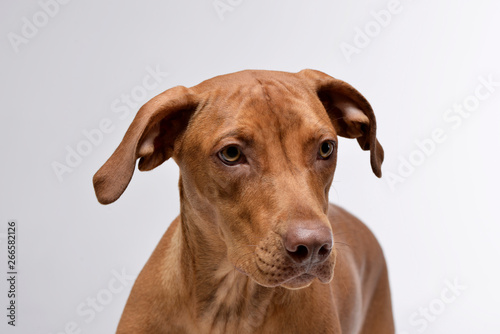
(269, 113)
(239, 133)
(323, 127)
(281, 135)
(297, 119)
(299, 114)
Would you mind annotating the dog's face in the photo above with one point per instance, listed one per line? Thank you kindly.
(262, 162)
(257, 152)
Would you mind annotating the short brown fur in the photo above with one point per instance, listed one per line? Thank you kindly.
(224, 266)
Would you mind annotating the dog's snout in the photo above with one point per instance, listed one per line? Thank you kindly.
(308, 244)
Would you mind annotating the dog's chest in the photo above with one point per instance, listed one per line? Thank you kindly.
(241, 306)
(231, 303)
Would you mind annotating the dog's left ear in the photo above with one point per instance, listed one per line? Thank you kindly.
(350, 113)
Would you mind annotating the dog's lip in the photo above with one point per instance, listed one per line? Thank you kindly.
(299, 281)
(304, 276)
(307, 275)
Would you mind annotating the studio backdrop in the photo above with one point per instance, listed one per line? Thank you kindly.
(74, 73)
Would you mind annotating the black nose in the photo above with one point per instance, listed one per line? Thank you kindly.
(304, 244)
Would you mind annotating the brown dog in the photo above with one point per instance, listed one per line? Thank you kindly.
(252, 250)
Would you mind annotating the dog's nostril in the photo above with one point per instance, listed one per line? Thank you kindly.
(302, 250)
(300, 254)
(324, 251)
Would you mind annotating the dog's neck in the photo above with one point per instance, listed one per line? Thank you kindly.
(225, 300)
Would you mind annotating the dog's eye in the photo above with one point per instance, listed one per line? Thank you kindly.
(230, 155)
(326, 149)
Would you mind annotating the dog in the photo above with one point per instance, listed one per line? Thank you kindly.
(253, 248)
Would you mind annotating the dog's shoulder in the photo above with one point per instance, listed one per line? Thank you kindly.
(158, 291)
(360, 268)
(355, 238)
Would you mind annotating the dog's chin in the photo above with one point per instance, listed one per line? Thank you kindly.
(299, 282)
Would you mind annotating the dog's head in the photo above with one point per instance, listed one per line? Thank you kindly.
(257, 152)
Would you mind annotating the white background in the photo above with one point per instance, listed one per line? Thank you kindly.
(437, 224)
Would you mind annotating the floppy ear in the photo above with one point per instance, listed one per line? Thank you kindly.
(350, 113)
(150, 137)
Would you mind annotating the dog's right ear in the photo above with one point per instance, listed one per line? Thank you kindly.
(350, 113)
(150, 137)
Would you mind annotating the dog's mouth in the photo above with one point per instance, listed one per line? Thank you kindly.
(280, 273)
(299, 280)
(270, 265)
